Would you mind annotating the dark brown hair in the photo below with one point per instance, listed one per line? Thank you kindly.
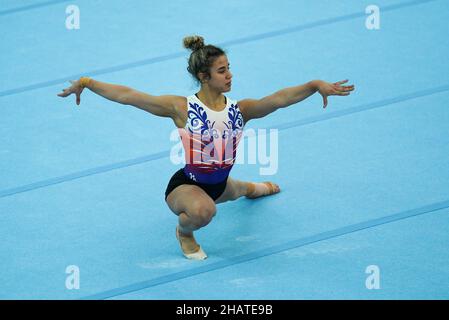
(202, 56)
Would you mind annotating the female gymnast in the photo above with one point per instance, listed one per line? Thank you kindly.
(207, 118)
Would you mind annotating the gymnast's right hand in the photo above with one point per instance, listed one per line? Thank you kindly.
(75, 88)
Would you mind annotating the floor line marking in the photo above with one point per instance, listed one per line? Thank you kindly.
(166, 153)
(268, 251)
(229, 43)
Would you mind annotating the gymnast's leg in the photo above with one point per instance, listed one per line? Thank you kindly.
(236, 189)
(195, 210)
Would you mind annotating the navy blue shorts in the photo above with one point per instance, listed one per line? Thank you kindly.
(179, 178)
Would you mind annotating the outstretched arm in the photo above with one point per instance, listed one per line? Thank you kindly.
(253, 109)
(164, 106)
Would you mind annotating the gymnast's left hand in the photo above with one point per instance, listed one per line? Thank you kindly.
(333, 89)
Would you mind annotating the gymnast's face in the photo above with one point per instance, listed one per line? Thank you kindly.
(220, 75)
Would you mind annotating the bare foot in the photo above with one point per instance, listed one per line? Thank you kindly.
(189, 246)
(260, 189)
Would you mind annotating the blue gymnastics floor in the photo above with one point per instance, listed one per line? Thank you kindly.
(364, 182)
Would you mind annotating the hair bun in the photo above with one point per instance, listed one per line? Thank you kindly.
(193, 42)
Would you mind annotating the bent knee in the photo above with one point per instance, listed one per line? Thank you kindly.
(202, 213)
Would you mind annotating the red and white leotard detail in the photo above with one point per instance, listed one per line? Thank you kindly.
(210, 139)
